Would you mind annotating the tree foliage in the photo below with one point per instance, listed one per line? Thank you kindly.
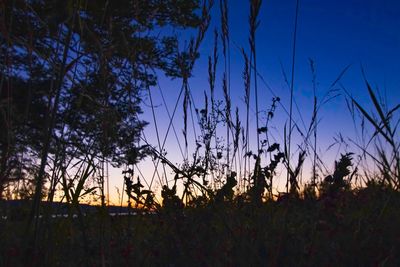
(73, 74)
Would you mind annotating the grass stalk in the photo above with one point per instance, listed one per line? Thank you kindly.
(288, 156)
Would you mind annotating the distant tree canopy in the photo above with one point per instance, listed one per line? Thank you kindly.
(72, 73)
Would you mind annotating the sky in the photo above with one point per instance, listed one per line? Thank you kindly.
(363, 35)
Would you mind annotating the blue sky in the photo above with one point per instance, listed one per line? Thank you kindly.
(362, 34)
(334, 34)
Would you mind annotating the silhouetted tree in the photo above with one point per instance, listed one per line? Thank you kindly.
(72, 74)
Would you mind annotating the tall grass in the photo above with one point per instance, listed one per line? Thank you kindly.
(225, 190)
(253, 164)
(250, 165)
(384, 138)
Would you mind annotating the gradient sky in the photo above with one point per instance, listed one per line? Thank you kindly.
(362, 34)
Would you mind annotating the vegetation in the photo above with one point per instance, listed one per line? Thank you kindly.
(74, 75)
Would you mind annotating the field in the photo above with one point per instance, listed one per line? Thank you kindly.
(181, 133)
(352, 228)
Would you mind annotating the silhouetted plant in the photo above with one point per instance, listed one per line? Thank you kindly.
(294, 174)
(143, 198)
(171, 202)
(385, 137)
(336, 182)
(217, 211)
(226, 192)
